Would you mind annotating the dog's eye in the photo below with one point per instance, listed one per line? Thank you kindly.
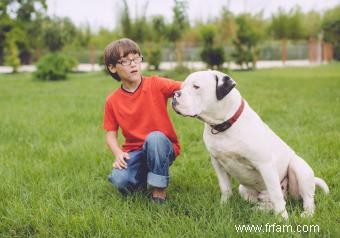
(196, 87)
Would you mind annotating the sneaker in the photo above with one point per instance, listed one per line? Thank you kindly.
(158, 200)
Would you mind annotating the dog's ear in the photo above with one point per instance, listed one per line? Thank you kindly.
(223, 89)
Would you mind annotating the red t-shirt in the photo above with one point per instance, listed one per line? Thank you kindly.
(142, 112)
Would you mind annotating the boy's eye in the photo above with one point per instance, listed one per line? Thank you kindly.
(196, 87)
(138, 59)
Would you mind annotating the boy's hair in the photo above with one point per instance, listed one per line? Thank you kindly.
(118, 49)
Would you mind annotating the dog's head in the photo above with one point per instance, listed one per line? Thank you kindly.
(203, 94)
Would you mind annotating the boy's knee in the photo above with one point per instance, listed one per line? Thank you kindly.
(156, 137)
(120, 180)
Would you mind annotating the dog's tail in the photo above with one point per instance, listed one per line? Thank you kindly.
(322, 184)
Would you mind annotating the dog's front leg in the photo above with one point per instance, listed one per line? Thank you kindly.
(272, 182)
(223, 180)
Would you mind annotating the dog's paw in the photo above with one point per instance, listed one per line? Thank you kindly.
(264, 196)
(248, 195)
(264, 206)
(307, 214)
(284, 214)
(225, 197)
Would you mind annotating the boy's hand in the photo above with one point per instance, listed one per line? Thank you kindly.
(120, 162)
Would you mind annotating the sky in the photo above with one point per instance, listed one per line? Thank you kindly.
(104, 13)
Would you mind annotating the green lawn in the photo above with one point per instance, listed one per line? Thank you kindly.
(54, 160)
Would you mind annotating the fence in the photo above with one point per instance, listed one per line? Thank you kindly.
(303, 50)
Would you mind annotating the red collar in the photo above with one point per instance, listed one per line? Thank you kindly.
(215, 129)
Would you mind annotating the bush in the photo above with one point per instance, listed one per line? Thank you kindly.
(213, 56)
(11, 52)
(154, 57)
(54, 66)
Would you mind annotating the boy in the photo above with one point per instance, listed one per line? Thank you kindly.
(139, 108)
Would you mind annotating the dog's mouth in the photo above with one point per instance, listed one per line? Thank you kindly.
(174, 104)
(180, 113)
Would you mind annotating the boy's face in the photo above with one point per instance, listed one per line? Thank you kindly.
(128, 68)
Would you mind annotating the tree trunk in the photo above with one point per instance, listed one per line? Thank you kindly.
(284, 50)
(254, 52)
(179, 53)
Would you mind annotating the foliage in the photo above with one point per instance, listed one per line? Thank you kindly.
(40, 34)
(179, 22)
(249, 33)
(21, 15)
(125, 21)
(312, 24)
(140, 30)
(54, 66)
(154, 56)
(103, 37)
(11, 54)
(6, 24)
(82, 37)
(179, 25)
(290, 25)
(25, 10)
(159, 32)
(226, 26)
(211, 55)
(137, 29)
(331, 28)
(295, 24)
(280, 25)
(57, 32)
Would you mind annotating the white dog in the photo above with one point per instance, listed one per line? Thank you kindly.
(242, 146)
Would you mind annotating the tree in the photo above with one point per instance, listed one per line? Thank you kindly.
(153, 47)
(55, 65)
(6, 25)
(312, 24)
(211, 55)
(179, 24)
(125, 21)
(249, 33)
(21, 14)
(11, 52)
(280, 29)
(287, 26)
(331, 28)
(159, 28)
(227, 26)
(57, 33)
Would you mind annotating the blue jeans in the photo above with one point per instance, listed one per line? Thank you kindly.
(146, 167)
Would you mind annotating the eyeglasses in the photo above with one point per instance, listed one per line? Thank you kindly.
(126, 62)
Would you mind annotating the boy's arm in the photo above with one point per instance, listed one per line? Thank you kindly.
(112, 142)
(168, 86)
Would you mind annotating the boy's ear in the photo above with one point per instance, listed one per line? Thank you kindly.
(112, 68)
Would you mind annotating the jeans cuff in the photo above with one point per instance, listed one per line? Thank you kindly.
(159, 181)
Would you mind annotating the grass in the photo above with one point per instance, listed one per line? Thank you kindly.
(54, 161)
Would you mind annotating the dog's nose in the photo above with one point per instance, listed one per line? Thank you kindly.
(174, 102)
(177, 94)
